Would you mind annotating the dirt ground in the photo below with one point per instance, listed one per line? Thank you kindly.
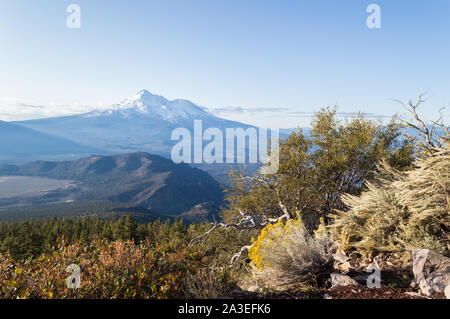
(396, 285)
(342, 292)
(363, 292)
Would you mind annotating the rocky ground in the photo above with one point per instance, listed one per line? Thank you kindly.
(426, 277)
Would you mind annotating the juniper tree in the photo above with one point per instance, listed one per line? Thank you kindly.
(315, 170)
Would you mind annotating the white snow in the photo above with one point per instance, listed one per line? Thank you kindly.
(147, 104)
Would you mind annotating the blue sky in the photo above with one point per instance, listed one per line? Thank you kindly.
(260, 62)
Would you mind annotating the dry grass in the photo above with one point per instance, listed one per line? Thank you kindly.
(401, 211)
(209, 283)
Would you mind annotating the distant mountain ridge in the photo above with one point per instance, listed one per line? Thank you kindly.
(18, 142)
(143, 122)
(140, 179)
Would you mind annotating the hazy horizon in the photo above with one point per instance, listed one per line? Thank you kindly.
(257, 62)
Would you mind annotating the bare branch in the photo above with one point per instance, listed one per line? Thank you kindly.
(247, 222)
(285, 211)
(239, 254)
(259, 179)
(428, 139)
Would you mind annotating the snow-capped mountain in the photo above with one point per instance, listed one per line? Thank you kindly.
(146, 104)
(143, 122)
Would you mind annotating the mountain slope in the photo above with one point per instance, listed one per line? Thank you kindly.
(140, 179)
(144, 122)
(17, 141)
(141, 123)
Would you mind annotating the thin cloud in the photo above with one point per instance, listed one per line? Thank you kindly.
(242, 110)
(283, 112)
(18, 110)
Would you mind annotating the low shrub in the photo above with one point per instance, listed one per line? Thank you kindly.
(119, 269)
(285, 256)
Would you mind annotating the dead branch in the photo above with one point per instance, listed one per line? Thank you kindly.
(239, 254)
(247, 222)
(430, 140)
